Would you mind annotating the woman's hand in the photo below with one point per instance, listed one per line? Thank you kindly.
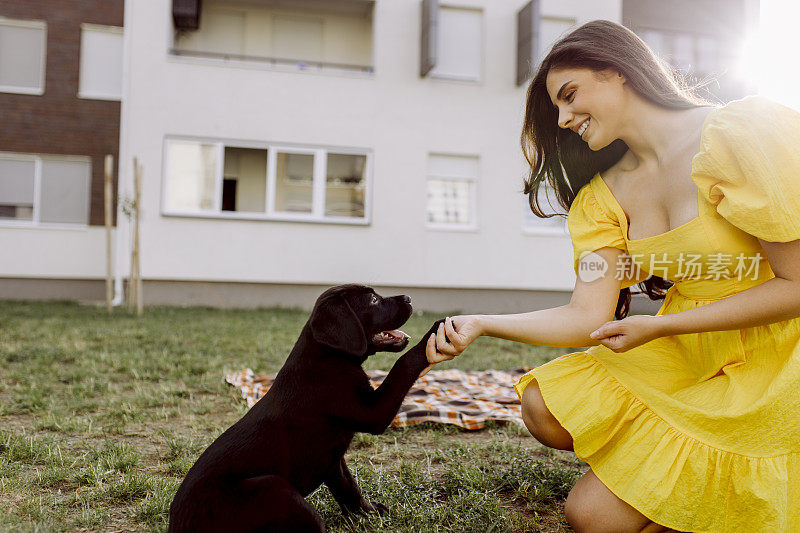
(452, 338)
(457, 334)
(632, 331)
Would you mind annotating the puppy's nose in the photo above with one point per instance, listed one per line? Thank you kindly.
(407, 299)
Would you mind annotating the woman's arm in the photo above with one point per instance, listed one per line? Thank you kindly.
(772, 301)
(592, 303)
(567, 325)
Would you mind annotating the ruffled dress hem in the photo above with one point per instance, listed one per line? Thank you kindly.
(651, 465)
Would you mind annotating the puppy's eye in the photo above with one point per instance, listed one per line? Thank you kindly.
(374, 299)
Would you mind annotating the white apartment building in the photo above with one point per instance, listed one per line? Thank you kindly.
(290, 145)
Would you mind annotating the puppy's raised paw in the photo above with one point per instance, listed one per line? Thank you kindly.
(435, 327)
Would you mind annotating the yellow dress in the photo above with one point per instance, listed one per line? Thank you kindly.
(700, 431)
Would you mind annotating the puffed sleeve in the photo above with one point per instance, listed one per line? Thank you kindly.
(749, 168)
(591, 227)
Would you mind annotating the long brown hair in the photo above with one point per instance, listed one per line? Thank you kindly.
(560, 158)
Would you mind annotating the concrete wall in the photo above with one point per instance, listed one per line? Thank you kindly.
(64, 252)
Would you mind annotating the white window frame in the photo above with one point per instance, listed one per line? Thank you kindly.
(482, 66)
(39, 25)
(272, 180)
(317, 214)
(99, 28)
(472, 225)
(37, 190)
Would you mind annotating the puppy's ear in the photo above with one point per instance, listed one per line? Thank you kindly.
(335, 324)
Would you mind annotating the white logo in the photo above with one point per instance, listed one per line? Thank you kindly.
(591, 266)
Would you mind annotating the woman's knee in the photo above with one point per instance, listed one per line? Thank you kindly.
(576, 514)
(541, 422)
(592, 508)
(585, 508)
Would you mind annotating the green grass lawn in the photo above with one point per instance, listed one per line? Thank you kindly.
(101, 416)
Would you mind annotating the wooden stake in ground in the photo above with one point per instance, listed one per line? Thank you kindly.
(109, 170)
(135, 282)
(138, 178)
(130, 294)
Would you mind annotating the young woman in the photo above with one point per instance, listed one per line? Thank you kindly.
(689, 419)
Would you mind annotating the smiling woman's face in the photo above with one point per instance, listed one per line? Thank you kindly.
(590, 100)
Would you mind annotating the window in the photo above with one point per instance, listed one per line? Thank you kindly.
(294, 186)
(101, 62)
(191, 176)
(687, 52)
(16, 189)
(459, 44)
(683, 51)
(23, 46)
(268, 182)
(536, 35)
(245, 173)
(534, 225)
(344, 181)
(552, 29)
(451, 194)
(44, 189)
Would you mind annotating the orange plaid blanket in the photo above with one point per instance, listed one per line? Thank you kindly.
(464, 398)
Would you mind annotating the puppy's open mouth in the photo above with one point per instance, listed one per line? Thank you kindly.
(392, 338)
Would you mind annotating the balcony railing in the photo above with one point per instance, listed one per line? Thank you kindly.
(299, 64)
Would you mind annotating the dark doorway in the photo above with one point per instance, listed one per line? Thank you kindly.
(229, 195)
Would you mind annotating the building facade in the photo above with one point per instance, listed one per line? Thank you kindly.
(60, 76)
(287, 146)
(706, 45)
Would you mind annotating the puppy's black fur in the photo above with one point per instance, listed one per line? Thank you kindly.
(255, 476)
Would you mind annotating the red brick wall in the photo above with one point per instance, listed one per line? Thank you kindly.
(58, 122)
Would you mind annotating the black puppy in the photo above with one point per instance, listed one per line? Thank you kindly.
(255, 475)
